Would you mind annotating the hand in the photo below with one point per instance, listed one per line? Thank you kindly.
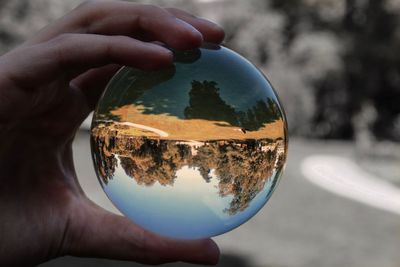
(48, 86)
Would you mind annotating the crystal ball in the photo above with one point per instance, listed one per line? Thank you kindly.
(193, 150)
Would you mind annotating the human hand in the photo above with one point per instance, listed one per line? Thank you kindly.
(48, 86)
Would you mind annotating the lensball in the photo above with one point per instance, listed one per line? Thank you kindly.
(191, 151)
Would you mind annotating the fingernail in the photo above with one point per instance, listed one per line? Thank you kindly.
(162, 49)
(189, 27)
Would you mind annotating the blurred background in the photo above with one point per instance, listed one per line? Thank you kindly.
(335, 65)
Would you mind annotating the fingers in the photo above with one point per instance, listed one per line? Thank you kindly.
(145, 22)
(111, 236)
(173, 27)
(71, 54)
(101, 33)
(211, 32)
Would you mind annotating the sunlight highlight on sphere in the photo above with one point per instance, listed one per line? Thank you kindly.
(191, 151)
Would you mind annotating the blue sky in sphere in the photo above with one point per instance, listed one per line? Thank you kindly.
(241, 83)
(189, 209)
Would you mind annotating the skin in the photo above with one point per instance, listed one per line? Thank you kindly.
(48, 86)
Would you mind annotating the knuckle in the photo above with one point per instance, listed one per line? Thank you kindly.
(155, 10)
(62, 38)
(110, 44)
(59, 47)
(149, 13)
(60, 42)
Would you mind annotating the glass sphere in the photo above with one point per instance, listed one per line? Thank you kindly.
(191, 151)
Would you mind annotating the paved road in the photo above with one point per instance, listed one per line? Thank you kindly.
(302, 224)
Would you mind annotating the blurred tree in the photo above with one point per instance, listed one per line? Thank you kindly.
(20, 18)
(328, 59)
(372, 69)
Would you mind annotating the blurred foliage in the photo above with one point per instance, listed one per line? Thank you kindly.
(19, 19)
(334, 63)
(331, 61)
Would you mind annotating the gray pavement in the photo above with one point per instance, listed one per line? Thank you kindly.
(301, 225)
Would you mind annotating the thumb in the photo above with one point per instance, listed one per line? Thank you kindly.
(99, 233)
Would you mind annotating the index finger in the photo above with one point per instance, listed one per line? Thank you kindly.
(144, 22)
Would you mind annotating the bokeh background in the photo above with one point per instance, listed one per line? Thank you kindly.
(336, 67)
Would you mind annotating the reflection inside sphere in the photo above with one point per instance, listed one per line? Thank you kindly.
(191, 151)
